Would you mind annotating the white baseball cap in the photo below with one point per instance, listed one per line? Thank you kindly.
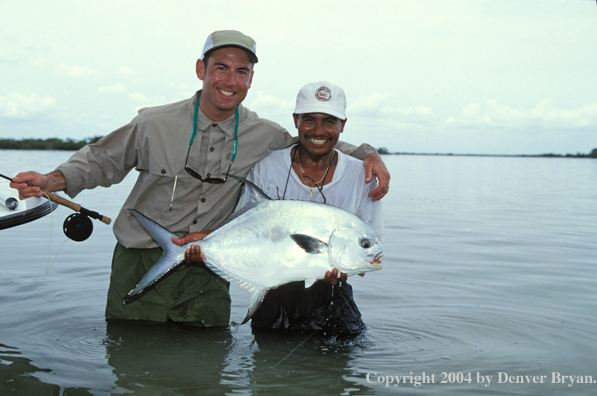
(321, 97)
(230, 38)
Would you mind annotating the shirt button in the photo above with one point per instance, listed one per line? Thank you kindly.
(209, 175)
(211, 149)
(214, 125)
(163, 171)
(195, 221)
(202, 199)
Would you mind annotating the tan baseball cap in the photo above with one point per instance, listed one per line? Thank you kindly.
(230, 38)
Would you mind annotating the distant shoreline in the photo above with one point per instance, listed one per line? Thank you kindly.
(46, 144)
(550, 155)
(592, 154)
(71, 144)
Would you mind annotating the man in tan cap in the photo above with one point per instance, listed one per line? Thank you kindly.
(183, 152)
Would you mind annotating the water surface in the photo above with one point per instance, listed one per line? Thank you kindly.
(489, 270)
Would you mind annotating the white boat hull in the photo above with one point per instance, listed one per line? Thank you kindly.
(27, 210)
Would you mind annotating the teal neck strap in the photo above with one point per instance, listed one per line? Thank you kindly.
(235, 128)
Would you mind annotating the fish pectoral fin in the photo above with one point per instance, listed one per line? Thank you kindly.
(257, 296)
(310, 282)
(309, 244)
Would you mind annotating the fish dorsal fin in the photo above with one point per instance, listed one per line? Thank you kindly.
(309, 244)
(256, 197)
(257, 194)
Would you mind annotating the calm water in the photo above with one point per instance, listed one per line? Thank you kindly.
(489, 271)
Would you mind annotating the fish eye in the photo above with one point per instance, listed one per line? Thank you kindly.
(365, 243)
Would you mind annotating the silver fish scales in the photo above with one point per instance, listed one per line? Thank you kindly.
(273, 242)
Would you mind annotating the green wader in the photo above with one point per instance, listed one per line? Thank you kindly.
(190, 294)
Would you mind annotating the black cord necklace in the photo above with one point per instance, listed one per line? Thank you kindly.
(322, 181)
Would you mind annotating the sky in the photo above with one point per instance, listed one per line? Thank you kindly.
(433, 76)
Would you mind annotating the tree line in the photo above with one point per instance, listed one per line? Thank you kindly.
(46, 144)
(592, 154)
(71, 144)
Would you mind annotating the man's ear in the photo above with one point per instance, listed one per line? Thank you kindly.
(200, 69)
(296, 119)
(343, 123)
(251, 79)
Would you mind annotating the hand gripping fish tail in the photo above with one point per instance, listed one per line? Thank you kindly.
(269, 243)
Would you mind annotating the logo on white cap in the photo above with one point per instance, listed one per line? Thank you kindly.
(323, 94)
(321, 97)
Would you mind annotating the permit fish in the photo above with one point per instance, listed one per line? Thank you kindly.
(269, 243)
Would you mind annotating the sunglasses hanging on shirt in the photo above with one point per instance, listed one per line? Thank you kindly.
(190, 171)
(211, 180)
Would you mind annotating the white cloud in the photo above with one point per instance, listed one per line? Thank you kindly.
(18, 105)
(138, 97)
(415, 113)
(380, 105)
(74, 70)
(113, 88)
(143, 100)
(127, 70)
(368, 104)
(543, 115)
(271, 104)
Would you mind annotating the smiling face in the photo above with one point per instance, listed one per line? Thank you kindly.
(318, 132)
(226, 80)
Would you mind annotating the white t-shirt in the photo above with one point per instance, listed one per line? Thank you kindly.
(347, 190)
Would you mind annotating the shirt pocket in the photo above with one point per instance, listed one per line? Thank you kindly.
(175, 186)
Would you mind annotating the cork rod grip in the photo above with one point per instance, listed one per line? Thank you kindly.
(76, 207)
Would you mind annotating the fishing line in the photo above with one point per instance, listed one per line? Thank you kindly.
(55, 257)
(48, 265)
(50, 241)
(305, 340)
(52, 208)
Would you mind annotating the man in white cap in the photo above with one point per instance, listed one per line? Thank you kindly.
(313, 170)
(183, 152)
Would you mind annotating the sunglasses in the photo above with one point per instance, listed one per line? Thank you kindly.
(211, 180)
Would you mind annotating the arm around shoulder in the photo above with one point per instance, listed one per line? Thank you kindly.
(374, 166)
(361, 152)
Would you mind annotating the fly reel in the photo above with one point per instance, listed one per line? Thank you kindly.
(78, 227)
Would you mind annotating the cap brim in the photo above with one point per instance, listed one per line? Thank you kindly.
(251, 54)
(322, 110)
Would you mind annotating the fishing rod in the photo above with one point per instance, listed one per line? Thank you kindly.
(71, 205)
(77, 226)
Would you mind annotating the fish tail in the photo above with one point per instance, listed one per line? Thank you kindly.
(166, 263)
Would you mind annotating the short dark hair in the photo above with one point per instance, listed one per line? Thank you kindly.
(206, 58)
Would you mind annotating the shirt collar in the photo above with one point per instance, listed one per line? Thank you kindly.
(203, 122)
